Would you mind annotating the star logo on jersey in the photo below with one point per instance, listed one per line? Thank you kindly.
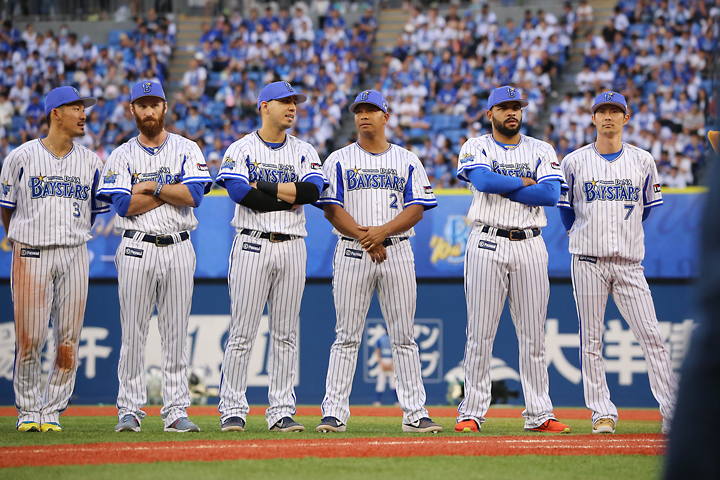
(6, 188)
(135, 177)
(110, 177)
(356, 170)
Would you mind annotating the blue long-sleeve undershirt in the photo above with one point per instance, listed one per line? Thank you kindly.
(490, 182)
(122, 200)
(543, 194)
(567, 215)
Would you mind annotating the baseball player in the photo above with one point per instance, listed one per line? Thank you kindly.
(386, 373)
(48, 207)
(613, 186)
(378, 192)
(511, 176)
(154, 180)
(270, 175)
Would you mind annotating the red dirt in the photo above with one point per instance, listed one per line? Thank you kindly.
(494, 412)
(146, 452)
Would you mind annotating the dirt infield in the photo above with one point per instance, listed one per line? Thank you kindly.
(440, 412)
(146, 452)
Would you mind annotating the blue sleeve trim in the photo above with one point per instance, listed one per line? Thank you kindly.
(197, 180)
(5, 204)
(551, 177)
(237, 189)
(328, 200)
(427, 205)
(122, 203)
(654, 204)
(464, 170)
(197, 190)
(316, 180)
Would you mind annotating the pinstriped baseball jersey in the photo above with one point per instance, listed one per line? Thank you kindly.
(386, 182)
(530, 158)
(608, 198)
(177, 160)
(53, 197)
(250, 159)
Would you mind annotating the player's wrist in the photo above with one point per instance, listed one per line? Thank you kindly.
(158, 189)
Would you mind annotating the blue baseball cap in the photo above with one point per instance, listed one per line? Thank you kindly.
(609, 98)
(372, 97)
(505, 94)
(147, 89)
(62, 96)
(278, 90)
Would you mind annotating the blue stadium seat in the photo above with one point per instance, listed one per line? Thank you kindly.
(18, 122)
(114, 37)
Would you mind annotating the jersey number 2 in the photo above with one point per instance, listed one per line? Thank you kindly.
(393, 203)
(629, 208)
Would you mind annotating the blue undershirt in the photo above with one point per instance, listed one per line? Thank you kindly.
(237, 189)
(541, 194)
(122, 200)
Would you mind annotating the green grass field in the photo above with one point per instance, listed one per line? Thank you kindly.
(81, 430)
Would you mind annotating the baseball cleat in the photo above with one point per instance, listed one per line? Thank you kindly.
(233, 424)
(467, 426)
(28, 427)
(330, 424)
(182, 425)
(50, 427)
(287, 424)
(128, 423)
(604, 425)
(424, 425)
(550, 426)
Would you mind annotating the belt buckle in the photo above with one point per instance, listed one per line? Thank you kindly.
(161, 237)
(272, 238)
(516, 232)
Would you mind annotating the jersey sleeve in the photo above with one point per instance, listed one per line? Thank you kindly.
(548, 168)
(311, 167)
(418, 190)
(115, 177)
(98, 205)
(566, 195)
(195, 170)
(10, 180)
(335, 193)
(472, 156)
(652, 195)
(234, 165)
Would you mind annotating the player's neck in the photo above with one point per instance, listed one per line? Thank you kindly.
(155, 141)
(500, 138)
(607, 145)
(270, 134)
(376, 144)
(58, 144)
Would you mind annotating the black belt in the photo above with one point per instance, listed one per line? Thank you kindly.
(159, 240)
(273, 237)
(513, 234)
(386, 243)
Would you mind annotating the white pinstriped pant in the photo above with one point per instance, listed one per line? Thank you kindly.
(263, 272)
(354, 281)
(496, 269)
(163, 277)
(50, 287)
(624, 279)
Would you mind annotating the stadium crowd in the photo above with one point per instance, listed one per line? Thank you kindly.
(436, 79)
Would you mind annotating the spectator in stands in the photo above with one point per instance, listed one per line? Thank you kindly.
(19, 95)
(6, 110)
(194, 80)
(194, 124)
(71, 53)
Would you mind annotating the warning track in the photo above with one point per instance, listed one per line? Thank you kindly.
(146, 452)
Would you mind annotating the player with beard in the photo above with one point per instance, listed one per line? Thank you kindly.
(154, 180)
(512, 176)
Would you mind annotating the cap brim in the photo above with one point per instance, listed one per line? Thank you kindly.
(354, 106)
(523, 103)
(148, 95)
(595, 107)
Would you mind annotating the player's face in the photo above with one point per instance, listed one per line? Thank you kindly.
(149, 113)
(281, 112)
(72, 119)
(610, 119)
(370, 119)
(506, 118)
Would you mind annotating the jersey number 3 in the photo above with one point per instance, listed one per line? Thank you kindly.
(76, 209)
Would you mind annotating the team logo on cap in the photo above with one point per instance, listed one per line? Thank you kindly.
(76, 91)
(384, 106)
(289, 87)
(511, 92)
(609, 96)
(147, 87)
(364, 95)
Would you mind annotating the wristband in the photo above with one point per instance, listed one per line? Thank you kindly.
(270, 188)
(158, 188)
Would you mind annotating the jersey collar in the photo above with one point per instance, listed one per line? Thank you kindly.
(506, 147)
(153, 150)
(257, 134)
(375, 154)
(72, 149)
(622, 151)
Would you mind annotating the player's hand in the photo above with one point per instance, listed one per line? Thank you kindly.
(371, 236)
(253, 184)
(378, 254)
(527, 181)
(147, 188)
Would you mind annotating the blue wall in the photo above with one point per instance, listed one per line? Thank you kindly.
(441, 319)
